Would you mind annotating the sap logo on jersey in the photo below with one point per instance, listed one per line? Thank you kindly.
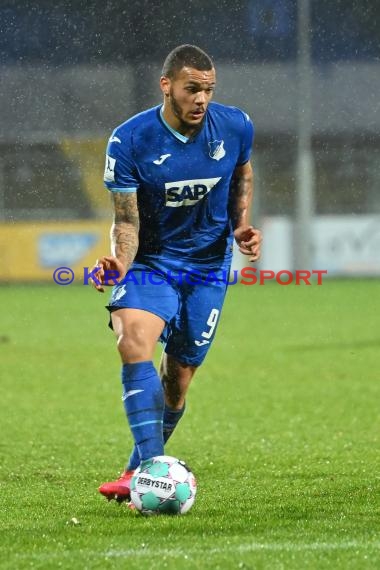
(188, 192)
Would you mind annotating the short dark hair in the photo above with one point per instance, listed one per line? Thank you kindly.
(186, 55)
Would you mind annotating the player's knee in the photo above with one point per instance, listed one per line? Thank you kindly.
(176, 371)
(133, 345)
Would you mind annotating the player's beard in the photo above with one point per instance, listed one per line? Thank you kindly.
(178, 112)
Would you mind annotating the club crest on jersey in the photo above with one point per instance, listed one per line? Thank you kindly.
(216, 149)
(188, 192)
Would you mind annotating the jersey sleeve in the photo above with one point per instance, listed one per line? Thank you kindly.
(120, 173)
(246, 140)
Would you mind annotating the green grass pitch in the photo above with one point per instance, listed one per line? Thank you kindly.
(282, 431)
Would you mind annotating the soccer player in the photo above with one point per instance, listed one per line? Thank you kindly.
(181, 182)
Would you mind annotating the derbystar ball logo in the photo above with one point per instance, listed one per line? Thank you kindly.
(188, 192)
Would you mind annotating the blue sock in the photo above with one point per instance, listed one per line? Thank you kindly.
(171, 418)
(143, 400)
(134, 459)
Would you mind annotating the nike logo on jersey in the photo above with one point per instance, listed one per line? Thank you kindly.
(188, 192)
(130, 393)
(162, 158)
(115, 139)
(201, 342)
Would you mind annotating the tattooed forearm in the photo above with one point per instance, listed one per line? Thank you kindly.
(241, 196)
(124, 243)
(125, 227)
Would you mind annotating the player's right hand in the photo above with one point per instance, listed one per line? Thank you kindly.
(108, 270)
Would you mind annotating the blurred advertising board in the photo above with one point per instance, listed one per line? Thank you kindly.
(32, 251)
(342, 245)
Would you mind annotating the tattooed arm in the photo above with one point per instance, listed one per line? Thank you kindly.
(246, 236)
(125, 228)
(124, 241)
(241, 199)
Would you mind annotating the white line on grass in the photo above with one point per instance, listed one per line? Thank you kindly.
(145, 551)
(241, 548)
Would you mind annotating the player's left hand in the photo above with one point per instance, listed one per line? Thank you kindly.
(249, 241)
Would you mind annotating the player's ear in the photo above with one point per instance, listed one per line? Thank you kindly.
(165, 85)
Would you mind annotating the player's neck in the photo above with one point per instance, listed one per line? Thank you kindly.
(176, 124)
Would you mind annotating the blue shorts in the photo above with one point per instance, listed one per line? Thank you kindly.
(189, 301)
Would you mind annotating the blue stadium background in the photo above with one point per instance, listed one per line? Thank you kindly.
(72, 71)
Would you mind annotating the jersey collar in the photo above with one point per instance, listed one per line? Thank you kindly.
(178, 135)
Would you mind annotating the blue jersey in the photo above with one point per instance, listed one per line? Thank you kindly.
(182, 184)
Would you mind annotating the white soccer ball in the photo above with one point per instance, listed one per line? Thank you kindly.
(163, 484)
